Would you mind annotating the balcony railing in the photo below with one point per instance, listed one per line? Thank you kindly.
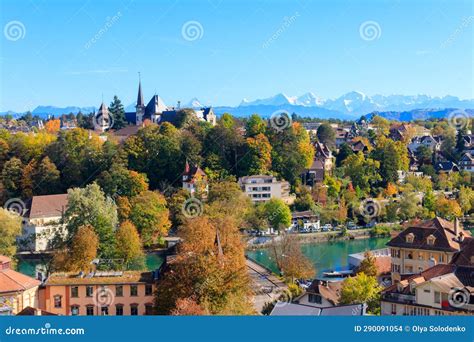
(400, 297)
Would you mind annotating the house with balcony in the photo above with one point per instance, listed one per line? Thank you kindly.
(99, 293)
(443, 289)
(304, 220)
(424, 245)
(261, 188)
(195, 180)
(466, 163)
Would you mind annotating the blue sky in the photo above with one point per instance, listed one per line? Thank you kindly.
(72, 52)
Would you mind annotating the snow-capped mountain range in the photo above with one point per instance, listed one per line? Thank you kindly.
(348, 106)
(358, 103)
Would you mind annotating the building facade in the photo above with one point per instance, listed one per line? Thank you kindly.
(42, 221)
(128, 293)
(261, 188)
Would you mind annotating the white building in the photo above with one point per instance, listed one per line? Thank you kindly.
(42, 222)
(261, 188)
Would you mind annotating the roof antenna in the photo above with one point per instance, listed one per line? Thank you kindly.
(139, 77)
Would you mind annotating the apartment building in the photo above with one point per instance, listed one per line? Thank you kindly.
(261, 188)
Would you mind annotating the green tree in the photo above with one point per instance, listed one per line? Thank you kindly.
(364, 173)
(123, 182)
(361, 289)
(278, 214)
(255, 126)
(12, 174)
(10, 229)
(118, 113)
(90, 206)
(258, 158)
(326, 135)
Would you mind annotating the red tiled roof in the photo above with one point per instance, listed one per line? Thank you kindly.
(48, 206)
(12, 281)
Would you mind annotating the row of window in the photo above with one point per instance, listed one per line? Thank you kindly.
(395, 253)
(118, 290)
(92, 310)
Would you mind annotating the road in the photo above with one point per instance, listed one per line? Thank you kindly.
(267, 287)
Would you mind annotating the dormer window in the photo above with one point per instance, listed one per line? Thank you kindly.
(410, 237)
(431, 240)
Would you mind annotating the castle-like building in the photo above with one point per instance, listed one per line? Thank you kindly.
(157, 112)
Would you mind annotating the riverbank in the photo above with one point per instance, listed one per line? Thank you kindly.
(256, 243)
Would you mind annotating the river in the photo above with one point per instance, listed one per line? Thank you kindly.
(325, 256)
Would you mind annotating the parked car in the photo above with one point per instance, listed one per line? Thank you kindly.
(351, 225)
(326, 228)
(314, 229)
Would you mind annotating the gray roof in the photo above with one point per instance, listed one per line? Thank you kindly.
(294, 309)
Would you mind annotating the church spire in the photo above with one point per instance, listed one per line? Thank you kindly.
(140, 102)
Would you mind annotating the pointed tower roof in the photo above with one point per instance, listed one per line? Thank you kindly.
(103, 108)
(140, 102)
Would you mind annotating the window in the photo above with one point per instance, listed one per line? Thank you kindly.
(90, 310)
(410, 237)
(394, 309)
(133, 290)
(58, 302)
(437, 297)
(148, 290)
(431, 240)
(134, 309)
(426, 290)
(74, 310)
(104, 310)
(89, 291)
(119, 291)
(409, 255)
(148, 309)
(441, 258)
(119, 310)
(314, 298)
(74, 291)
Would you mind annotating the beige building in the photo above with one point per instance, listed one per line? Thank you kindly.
(261, 188)
(424, 245)
(17, 291)
(42, 222)
(443, 288)
(99, 293)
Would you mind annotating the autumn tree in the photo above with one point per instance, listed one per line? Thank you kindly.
(122, 182)
(128, 245)
(12, 174)
(368, 265)
(52, 126)
(257, 159)
(364, 173)
(209, 268)
(80, 253)
(187, 307)
(292, 263)
(150, 215)
(40, 178)
(447, 208)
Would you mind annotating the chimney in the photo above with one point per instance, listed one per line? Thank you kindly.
(457, 227)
